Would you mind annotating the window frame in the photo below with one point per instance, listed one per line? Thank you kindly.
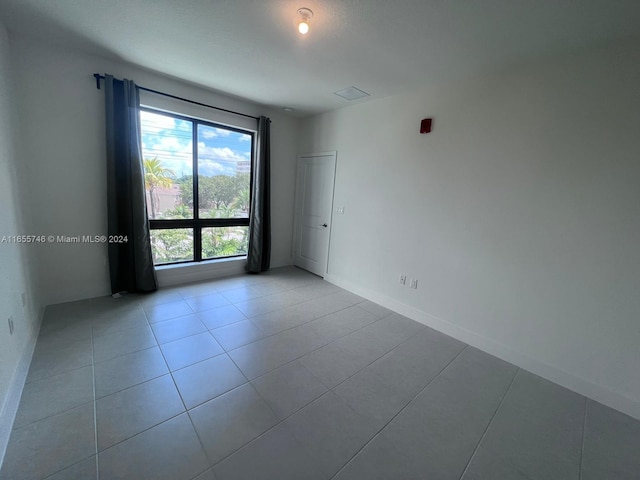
(196, 223)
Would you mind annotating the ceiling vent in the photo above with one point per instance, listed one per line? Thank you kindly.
(351, 93)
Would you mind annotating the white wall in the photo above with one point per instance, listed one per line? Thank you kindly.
(519, 214)
(63, 117)
(16, 261)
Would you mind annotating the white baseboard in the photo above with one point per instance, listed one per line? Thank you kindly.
(577, 384)
(12, 401)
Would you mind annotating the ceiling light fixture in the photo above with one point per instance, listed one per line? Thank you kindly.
(303, 25)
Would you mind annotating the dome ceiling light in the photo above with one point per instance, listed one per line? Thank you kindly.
(305, 16)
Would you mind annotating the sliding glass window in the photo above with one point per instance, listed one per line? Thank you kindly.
(198, 184)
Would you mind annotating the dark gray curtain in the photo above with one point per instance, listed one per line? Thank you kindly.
(259, 254)
(130, 262)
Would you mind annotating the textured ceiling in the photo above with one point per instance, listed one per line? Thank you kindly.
(251, 48)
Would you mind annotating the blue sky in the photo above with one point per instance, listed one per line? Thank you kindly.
(170, 140)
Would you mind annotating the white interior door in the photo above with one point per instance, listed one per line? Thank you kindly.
(314, 204)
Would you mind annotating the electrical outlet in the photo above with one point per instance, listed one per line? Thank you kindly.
(414, 283)
(403, 279)
(10, 325)
(340, 210)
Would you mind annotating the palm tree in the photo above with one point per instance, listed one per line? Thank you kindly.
(156, 176)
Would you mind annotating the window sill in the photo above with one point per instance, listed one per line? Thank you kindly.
(197, 271)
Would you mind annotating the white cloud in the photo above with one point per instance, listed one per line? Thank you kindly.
(156, 121)
(213, 132)
(224, 154)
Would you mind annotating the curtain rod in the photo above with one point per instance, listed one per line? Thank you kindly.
(99, 77)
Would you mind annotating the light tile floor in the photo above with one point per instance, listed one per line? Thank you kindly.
(285, 376)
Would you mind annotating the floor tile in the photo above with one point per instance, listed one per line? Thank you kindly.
(381, 460)
(316, 290)
(205, 380)
(84, 470)
(50, 445)
(270, 303)
(208, 475)
(335, 302)
(167, 311)
(338, 324)
(107, 324)
(128, 370)
(189, 350)
(177, 328)
(374, 308)
(54, 395)
(312, 309)
(368, 394)
(123, 342)
(344, 357)
(284, 319)
(230, 421)
(330, 432)
(197, 289)
(51, 359)
(266, 354)
(221, 316)
(207, 302)
(611, 444)
(436, 434)
(169, 451)
(107, 310)
(537, 433)
(66, 318)
(160, 296)
(269, 288)
(274, 456)
(339, 360)
(288, 388)
(237, 334)
(411, 365)
(63, 335)
(238, 281)
(128, 412)
(241, 294)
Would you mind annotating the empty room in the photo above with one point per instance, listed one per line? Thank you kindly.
(323, 239)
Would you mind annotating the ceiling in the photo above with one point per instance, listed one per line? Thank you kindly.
(251, 48)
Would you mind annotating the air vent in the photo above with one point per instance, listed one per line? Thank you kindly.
(351, 93)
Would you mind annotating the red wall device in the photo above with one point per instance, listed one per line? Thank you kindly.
(425, 125)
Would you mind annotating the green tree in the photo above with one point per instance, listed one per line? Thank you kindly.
(172, 245)
(156, 176)
(185, 184)
(181, 211)
(241, 202)
(222, 242)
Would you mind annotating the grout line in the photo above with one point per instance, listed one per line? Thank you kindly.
(322, 346)
(311, 351)
(95, 403)
(584, 433)
(170, 372)
(486, 430)
(378, 358)
(398, 413)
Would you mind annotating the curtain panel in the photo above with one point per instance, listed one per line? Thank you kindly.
(130, 257)
(259, 250)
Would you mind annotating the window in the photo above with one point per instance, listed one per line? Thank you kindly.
(198, 184)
